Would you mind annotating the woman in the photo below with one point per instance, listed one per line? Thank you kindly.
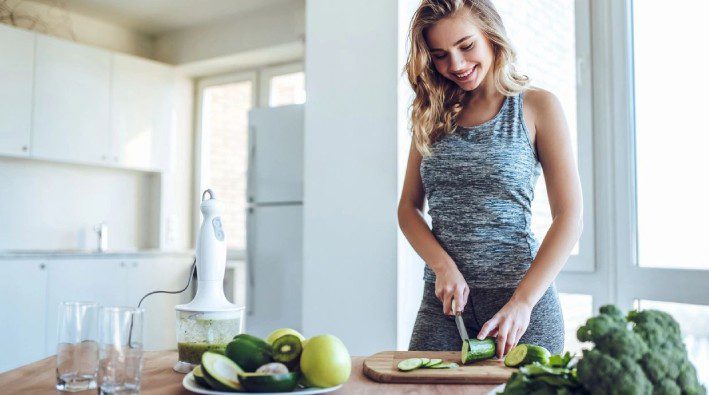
(480, 136)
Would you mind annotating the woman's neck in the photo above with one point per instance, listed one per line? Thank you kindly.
(486, 92)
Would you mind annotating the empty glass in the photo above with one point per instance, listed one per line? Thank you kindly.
(120, 350)
(77, 350)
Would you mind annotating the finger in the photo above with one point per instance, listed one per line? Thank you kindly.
(447, 298)
(459, 300)
(488, 327)
(502, 340)
(466, 294)
(520, 333)
(511, 339)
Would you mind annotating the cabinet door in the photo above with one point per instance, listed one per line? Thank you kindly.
(17, 49)
(23, 286)
(141, 112)
(98, 280)
(71, 102)
(165, 274)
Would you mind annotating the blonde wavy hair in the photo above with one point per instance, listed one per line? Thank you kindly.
(438, 100)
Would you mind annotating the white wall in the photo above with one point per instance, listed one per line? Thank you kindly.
(265, 27)
(350, 226)
(47, 205)
(56, 21)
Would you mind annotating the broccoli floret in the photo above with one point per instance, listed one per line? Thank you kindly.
(602, 374)
(647, 356)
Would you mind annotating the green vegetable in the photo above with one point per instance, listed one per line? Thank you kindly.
(249, 352)
(409, 364)
(433, 362)
(540, 379)
(523, 354)
(641, 353)
(450, 365)
(477, 350)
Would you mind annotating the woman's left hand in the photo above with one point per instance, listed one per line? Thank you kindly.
(509, 324)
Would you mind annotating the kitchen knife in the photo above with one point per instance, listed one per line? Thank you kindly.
(459, 323)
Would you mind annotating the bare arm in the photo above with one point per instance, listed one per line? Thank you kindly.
(554, 148)
(450, 284)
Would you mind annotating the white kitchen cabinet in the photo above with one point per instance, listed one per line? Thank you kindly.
(141, 112)
(153, 274)
(97, 280)
(71, 102)
(17, 49)
(22, 312)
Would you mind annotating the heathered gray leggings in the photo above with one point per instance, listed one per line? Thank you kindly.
(435, 331)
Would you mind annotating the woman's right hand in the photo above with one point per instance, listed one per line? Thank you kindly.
(450, 285)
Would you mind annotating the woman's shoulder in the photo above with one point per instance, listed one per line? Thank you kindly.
(540, 102)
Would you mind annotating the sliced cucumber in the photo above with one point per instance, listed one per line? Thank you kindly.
(424, 362)
(409, 364)
(220, 372)
(433, 362)
(477, 350)
(450, 365)
(524, 354)
(199, 377)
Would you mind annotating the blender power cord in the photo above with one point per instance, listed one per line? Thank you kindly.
(189, 281)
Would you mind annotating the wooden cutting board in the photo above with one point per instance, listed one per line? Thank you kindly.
(381, 367)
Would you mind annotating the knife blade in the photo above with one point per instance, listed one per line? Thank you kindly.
(459, 323)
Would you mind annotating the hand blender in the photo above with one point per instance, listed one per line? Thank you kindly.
(209, 321)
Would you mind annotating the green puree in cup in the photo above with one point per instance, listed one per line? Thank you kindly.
(192, 352)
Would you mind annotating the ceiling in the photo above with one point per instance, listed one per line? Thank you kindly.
(158, 16)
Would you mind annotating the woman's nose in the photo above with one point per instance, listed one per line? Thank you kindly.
(457, 63)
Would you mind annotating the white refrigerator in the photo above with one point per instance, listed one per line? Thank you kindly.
(274, 236)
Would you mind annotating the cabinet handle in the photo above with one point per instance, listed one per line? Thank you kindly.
(123, 264)
(24, 148)
(42, 266)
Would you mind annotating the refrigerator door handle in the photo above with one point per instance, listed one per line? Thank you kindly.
(250, 185)
(250, 236)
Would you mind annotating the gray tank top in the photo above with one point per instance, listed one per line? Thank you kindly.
(479, 183)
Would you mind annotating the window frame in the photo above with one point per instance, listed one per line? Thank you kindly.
(260, 79)
(265, 75)
(201, 139)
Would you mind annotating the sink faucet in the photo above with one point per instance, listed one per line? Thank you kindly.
(102, 233)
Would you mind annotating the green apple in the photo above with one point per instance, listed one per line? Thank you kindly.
(283, 331)
(325, 362)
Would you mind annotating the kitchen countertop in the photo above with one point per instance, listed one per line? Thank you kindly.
(92, 254)
(159, 378)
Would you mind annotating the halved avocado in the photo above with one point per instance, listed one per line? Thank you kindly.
(220, 372)
(249, 352)
(199, 377)
(264, 382)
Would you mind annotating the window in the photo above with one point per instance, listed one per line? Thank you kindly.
(577, 308)
(225, 103)
(694, 321)
(671, 134)
(223, 107)
(552, 46)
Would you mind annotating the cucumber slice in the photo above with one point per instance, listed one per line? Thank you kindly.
(477, 350)
(524, 354)
(450, 365)
(433, 362)
(424, 362)
(409, 364)
(220, 372)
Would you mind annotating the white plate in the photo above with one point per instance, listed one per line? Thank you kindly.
(191, 385)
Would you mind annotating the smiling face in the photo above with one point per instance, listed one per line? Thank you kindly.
(460, 51)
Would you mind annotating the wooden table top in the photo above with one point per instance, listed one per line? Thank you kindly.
(159, 378)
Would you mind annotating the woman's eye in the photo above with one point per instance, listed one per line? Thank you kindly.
(469, 46)
(439, 56)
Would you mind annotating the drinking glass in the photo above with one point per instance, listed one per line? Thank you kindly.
(120, 350)
(77, 350)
